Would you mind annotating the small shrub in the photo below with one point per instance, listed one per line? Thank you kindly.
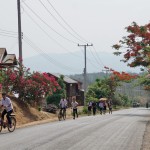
(85, 110)
(39, 108)
(79, 112)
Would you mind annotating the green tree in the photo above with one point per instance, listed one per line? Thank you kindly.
(55, 97)
(101, 88)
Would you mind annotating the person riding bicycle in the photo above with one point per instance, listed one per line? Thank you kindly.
(63, 104)
(8, 108)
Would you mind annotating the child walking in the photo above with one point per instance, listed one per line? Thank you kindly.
(74, 105)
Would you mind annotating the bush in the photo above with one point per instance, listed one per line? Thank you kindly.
(53, 99)
(39, 108)
(85, 110)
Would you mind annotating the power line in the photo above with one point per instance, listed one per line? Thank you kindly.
(15, 33)
(66, 21)
(98, 56)
(95, 58)
(85, 73)
(59, 22)
(48, 24)
(44, 55)
(90, 61)
(54, 62)
(49, 35)
(7, 31)
(4, 34)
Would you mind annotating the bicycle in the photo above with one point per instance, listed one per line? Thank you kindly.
(5, 124)
(62, 114)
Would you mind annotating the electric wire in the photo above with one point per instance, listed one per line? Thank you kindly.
(95, 58)
(31, 18)
(66, 22)
(98, 56)
(3, 34)
(10, 32)
(44, 55)
(59, 22)
(48, 24)
(54, 62)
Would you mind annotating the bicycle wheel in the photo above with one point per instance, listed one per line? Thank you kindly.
(12, 128)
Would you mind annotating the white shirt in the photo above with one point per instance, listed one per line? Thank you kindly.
(90, 104)
(7, 103)
(63, 103)
(101, 104)
(74, 105)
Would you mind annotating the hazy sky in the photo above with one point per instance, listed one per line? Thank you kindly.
(100, 22)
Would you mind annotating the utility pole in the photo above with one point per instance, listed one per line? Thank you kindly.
(19, 32)
(85, 70)
(107, 71)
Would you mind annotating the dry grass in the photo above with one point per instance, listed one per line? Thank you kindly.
(27, 115)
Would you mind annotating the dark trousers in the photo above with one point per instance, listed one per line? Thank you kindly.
(75, 112)
(8, 115)
(94, 110)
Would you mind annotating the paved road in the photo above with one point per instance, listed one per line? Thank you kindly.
(123, 130)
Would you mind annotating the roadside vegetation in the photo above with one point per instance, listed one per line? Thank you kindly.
(34, 87)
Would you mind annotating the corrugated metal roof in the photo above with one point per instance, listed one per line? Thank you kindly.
(66, 78)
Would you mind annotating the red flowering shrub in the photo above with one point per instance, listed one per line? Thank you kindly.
(29, 86)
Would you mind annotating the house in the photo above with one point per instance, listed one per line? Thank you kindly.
(73, 88)
(7, 60)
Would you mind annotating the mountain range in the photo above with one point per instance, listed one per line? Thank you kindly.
(73, 63)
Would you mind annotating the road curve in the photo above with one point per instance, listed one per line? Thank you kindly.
(123, 130)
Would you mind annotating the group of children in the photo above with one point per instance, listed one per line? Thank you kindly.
(102, 105)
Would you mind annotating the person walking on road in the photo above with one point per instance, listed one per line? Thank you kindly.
(89, 108)
(94, 108)
(74, 106)
(101, 107)
(109, 103)
(105, 107)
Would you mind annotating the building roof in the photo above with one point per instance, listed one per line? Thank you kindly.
(66, 78)
(3, 53)
(7, 59)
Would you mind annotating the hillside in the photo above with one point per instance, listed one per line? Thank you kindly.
(73, 64)
(26, 114)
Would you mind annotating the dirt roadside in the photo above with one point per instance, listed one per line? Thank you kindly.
(29, 116)
(146, 138)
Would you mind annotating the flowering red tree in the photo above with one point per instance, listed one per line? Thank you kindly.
(123, 76)
(117, 77)
(30, 86)
(136, 45)
(40, 84)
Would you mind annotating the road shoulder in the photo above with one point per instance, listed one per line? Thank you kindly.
(146, 138)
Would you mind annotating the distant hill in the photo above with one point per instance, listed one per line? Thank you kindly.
(91, 77)
(73, 63)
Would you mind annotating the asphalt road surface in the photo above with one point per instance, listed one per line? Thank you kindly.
(123, 130)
